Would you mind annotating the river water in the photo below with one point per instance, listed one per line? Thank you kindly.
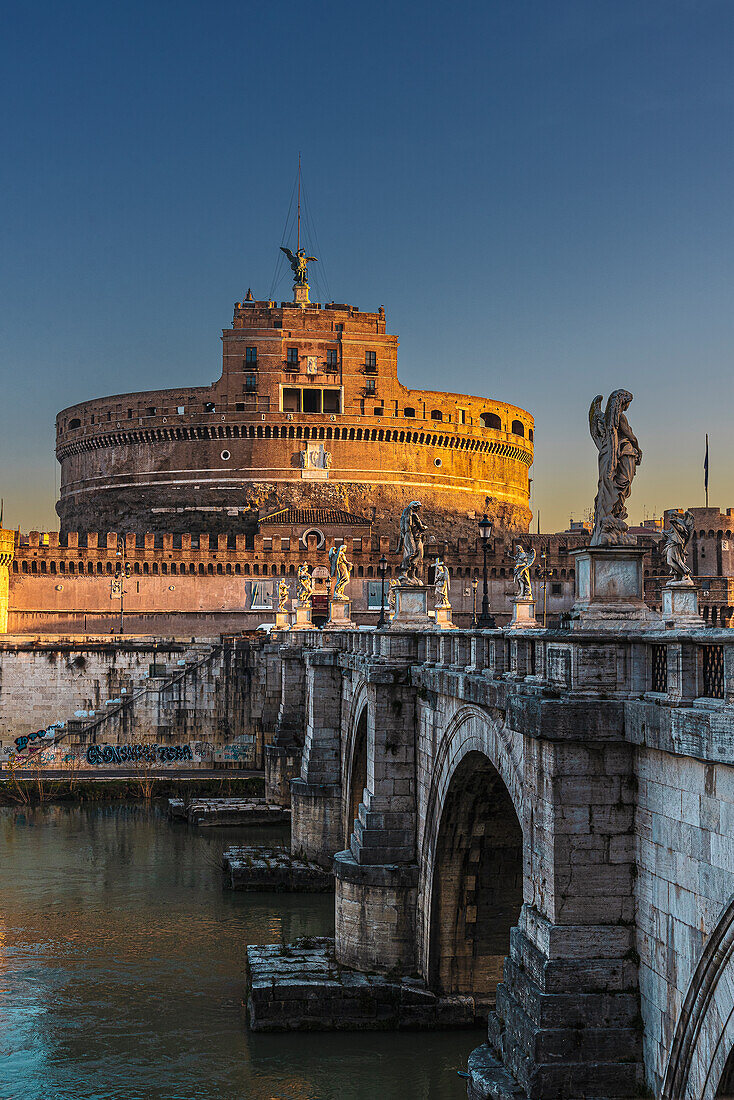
(122, 973)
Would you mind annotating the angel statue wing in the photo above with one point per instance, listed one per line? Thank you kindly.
(531, 558)
(288, 253)
(683, 524)
(597, 424)
(311, 259)
(688, 523)
(333, 555)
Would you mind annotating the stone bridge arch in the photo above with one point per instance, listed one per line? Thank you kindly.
(354, 758)
(701, 1064)
(472, 854)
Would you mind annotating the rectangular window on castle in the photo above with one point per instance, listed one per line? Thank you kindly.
(267, 544)
(312, 401)
(370, 360)
(291, 400)
(250, 383)
(332, 401)
(292, 357)
(331, 359)
(251, 357)
(357, 546)
(285, 545)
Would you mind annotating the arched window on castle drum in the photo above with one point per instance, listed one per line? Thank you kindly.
(408, 412)
(491, 420)
(436, 414)
(518, 428)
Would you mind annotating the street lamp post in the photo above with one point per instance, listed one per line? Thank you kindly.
(485, 621)
(474, 584)
(545, 573)
(383, 569)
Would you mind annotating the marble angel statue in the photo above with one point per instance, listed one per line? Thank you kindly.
(441, 584)
(677, 537)
(523, 564)
(341, 569)
(282, 595)
(412, 530)
(304, 584)
(619, 457)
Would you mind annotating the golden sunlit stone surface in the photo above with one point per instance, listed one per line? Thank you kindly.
(308, 412)
(6, 557)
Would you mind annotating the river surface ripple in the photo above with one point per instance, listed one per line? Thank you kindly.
(122, 973)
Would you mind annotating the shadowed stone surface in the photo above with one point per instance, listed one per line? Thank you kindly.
(273, 869)
(227, 811)
(301, 987)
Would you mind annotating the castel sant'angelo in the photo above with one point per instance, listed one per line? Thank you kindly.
(308, 414)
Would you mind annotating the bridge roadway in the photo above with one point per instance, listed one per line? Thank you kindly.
(547, 816)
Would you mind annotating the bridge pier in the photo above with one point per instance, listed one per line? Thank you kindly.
(377, 877)
(283, 755)
(316, 799)
(567, 1019)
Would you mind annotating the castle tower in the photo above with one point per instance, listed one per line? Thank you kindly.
(7, 550)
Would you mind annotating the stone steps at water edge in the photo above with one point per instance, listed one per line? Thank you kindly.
(301, 987)
(228, 811)
(273, 869)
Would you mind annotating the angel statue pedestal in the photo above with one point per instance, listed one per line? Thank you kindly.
(282, 620)
(609, 590)
(302, 620)
(680, 603)
(411, 608)
(339, 617)
(523, 614)
(443, 618)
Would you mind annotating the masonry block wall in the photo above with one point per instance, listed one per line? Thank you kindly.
(316, 814)
(684, 836)
(129, 691)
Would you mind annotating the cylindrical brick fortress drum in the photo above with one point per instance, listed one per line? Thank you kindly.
(308, 412)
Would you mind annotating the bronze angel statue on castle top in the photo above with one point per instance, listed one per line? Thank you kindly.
(619, 457)
(299, 262)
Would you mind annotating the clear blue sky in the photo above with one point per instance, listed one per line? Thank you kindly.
(540, 193)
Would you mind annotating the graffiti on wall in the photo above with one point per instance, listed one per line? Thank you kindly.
(99, 755)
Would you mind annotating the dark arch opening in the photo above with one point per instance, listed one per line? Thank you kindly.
(477, 881)
(725, 1091)
(358, 775)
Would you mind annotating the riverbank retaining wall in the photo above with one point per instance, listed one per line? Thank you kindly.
(202, 693)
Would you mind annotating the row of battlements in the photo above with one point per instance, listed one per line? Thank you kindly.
(107, 543)
(268, 554)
